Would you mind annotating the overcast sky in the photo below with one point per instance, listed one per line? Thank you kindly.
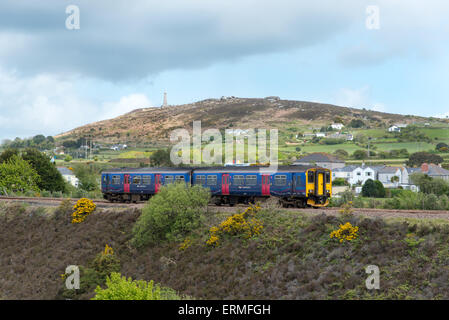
(127, 53)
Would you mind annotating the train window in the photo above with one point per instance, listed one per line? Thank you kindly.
(105, 178)
(311, 177)
(179, 178)
(328, 177)
(136, 179)
(200, 180)
(251, 180)
(298, 180)
(146, 179)
(280, 180)
(238, 180)
(212, 180)
(168, 179)
(115, 180)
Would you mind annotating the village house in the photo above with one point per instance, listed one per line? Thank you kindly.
(68, 176)
(337, 126)
(394, 129)
(321, 159)
(390, 176)
(434, 171)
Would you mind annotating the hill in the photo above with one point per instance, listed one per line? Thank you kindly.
(155, 124)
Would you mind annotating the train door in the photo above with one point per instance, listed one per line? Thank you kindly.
(265, 184)
(157, 183)
(126, 183)
(225, 184)
(298, 184)
(319, 186)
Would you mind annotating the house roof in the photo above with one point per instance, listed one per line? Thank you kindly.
(389, 169)
(346, 169)
(319, 157)
(435, 170)
(65, 172)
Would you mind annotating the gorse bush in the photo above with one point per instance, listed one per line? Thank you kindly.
(243, 224)
(346, 232)
(171, 214)
(83, 208)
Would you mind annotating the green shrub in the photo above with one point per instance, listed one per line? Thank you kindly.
(373, 189)
(339, 182)
(171, 214)
(120, 288)
(45, 194)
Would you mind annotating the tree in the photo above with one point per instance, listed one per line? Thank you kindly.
(8, 154)
(418, 158)
(161, 158)
(356, 123)
(430, 185)
(340, 153)
(38, 139)
(50, 178)
(373, 189)
(17, 174)
(171, 214)
(360, 154)
(86, 176)
(441, 145)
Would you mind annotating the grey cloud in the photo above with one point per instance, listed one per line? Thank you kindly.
(126, 40)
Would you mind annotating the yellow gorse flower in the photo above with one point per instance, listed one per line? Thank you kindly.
(243, 223)
(346, 232)
(185, 244)
(83, 208)
(107, 251)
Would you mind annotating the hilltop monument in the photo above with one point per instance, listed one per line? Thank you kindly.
(165, 104)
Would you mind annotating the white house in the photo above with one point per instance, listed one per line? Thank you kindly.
(337, 126)
(394, 129)
(320, 134)
(390, 177)
(345, 172)
(68, 176)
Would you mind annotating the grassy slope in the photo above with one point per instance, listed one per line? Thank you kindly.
(293, 258)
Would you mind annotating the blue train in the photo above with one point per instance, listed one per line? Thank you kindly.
(294, 186)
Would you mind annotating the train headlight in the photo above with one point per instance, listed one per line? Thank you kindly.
(310, 191)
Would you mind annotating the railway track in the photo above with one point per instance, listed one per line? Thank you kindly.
(383, 213)
(56, 201)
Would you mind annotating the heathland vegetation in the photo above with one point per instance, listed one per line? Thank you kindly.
(262, 253)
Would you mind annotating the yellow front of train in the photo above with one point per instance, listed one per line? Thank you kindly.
(318, 186)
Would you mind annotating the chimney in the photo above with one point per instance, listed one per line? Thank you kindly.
(425, 168)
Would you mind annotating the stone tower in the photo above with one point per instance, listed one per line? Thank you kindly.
(165, 104)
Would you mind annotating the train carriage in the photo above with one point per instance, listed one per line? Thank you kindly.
(294, 186)
(136, 184)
